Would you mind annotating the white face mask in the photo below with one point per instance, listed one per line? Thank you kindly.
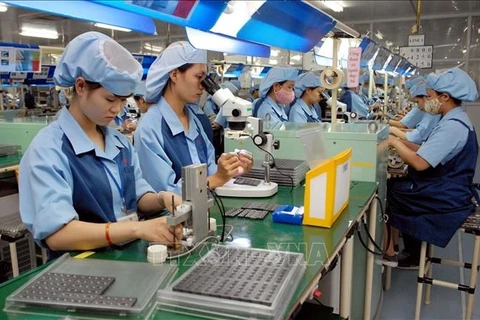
(433, 106)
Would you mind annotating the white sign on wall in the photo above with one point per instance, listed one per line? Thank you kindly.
(416, 40)
(420, 56)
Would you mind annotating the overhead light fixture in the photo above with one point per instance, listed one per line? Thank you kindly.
(3, 7)
(274, 53)
(153, 48)
(379, 35)
(296, 57)
(334, 5)
(235, 16)
(39, 32)
(107, 26)
(273, 61)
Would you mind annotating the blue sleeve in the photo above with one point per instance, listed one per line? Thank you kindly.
(156, 166)
(359, 107)
(423, 129)
(209, 108)
(264, 110)
(221, 119)
(296, 114)
(413, 118)
(45, 188)
(211, 165)
(444, 143)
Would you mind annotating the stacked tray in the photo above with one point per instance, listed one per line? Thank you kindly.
(284, 172)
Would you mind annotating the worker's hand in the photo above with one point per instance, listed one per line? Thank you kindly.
(394, 131)
(228, 165)
(393, 141)
(169, 200)
(157, 230)
(127, 125)
(216, 125)
(246, 163)
(132, 126)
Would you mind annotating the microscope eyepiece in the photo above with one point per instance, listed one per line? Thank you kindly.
(210, 86)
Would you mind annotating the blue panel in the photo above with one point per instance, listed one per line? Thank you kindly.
(369, 48)
(234, 71)
(89, 11)
(292, 25)
(146, 61)
(18, 45)
(381, 59)
(393, 63)
(203, 15)
(221, 43)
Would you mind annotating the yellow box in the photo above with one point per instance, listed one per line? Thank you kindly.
(327, 190)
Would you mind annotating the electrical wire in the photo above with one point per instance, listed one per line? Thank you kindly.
(198, 244)
(221, 208)
(382, 252)
(275, 166)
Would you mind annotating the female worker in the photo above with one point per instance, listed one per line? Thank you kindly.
(414, 116)
(434, 199)
(79, 177)
(170, 136)
(308, 92)
(425, 126)
(276, 91)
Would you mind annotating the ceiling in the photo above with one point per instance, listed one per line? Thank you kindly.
(356, 13)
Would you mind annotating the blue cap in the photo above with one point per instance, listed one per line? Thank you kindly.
(304, 81)
(274, 75)
(230, 86)
(456, 82)
(174, 56)
(98, 58)
(380, 80)
(418, 89)
(237, 84)
(412, 81)
(253, 88)
(364, 78)
(140, 89)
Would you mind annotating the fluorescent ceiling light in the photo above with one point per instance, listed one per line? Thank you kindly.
(334, 5)
(379, 35)
(235, 16)
(150, 47)
(274, 53)
(39, 33)
(107, 26)
(3, 7)
(273, 61)
(296, 57)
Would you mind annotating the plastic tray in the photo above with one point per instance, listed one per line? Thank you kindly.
(231, 282)
(132, 284)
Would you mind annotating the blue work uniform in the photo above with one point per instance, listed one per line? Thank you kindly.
(210, 108)
(65, 176)
(276, 112)
(423, 129)
(250, 98)
(355, 104)
(164, 147)
(431, 205)
(121, 117)
(204, 120)
(413, 118)
(300, 112)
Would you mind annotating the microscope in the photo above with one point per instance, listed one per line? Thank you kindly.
(238, 113)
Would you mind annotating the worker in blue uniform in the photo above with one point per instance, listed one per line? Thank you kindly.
(411, 119)
(276, 91)
(170, 136)
(210, 108)
(308, 91)
(253, 91)
(79, 177)
(424, 127)
(355, 103)
(435, 198)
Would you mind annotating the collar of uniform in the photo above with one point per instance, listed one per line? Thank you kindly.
(74, 132)
(453, 113)
(275, 106)
(305, 107)
(79, 139)
(174, 123)
(112, 143)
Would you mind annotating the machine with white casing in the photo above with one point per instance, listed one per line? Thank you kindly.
(238, 113)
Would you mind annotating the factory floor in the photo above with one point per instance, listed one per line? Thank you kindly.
(399, 301)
